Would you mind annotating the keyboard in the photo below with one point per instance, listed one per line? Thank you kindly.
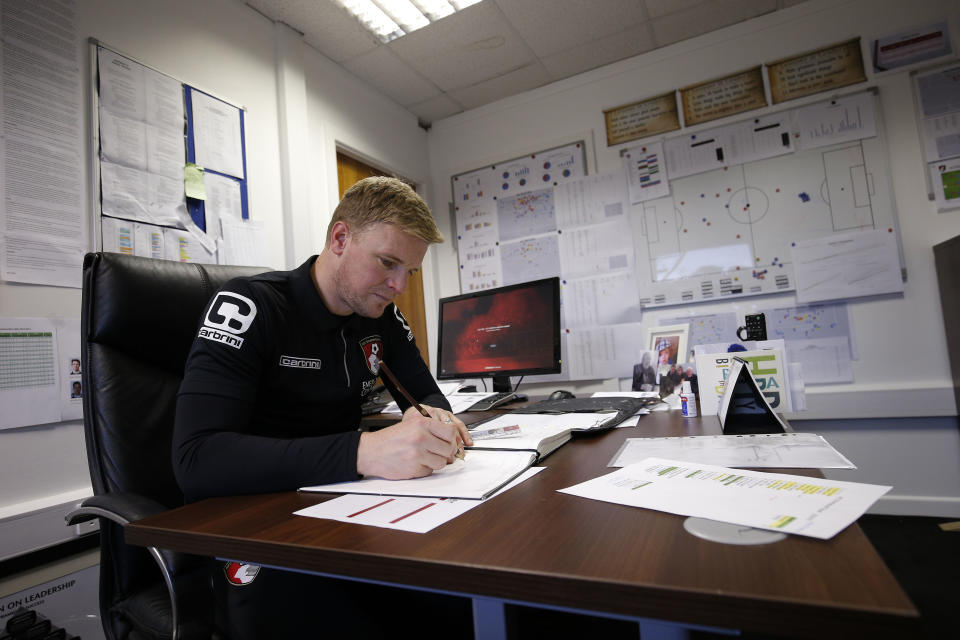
(494, 400)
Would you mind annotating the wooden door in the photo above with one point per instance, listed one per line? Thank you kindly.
(411, 303)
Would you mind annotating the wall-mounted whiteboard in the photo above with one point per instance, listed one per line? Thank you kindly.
(505, 213)
(540, 216)
(741, 196)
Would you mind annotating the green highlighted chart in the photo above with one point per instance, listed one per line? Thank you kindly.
(792, 504)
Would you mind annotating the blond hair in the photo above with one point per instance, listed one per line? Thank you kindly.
(385, 200)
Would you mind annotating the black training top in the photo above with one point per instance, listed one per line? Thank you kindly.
(271, 394)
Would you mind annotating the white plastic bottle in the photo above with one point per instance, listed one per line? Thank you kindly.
(688, 400)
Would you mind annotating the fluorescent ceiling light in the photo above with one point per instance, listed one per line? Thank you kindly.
(390, 19)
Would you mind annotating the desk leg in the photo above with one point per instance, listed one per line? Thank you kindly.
(489, 619)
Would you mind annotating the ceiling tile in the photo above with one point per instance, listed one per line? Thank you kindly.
(325, 26)
(706, 17)
(550, 26)
(516, 81)
(465, 48)
(392, 76)
(618, 46)
(436, 108)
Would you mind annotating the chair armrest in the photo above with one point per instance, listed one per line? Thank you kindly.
(121, 508)
(185, 577)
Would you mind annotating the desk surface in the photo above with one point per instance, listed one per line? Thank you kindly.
(536, 545)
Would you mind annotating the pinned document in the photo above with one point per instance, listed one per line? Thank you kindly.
(847, 265)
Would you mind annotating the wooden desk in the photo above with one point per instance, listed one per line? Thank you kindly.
(535, 545)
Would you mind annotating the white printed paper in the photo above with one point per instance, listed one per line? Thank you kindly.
(118, 235)
(121, 89)
(597, 249)
(43, 227)
(839, 120)
(123, 141)
(590, 200)
(794, 450)
(800, 505)
(216, 134)
(600, 300)
(34, 259)
(183, 246)
(417, 515)
(40, 368)
(646, 171)
(848, 265)
(148, 241)
(243, 243)
(594, 353)
(223, 198)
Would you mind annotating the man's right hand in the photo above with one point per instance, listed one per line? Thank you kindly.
(415, 447)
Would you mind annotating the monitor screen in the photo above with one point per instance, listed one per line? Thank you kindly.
(510, 331)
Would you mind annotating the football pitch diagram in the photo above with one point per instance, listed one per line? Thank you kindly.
(729, 231)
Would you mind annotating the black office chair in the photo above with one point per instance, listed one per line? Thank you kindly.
(139, 317)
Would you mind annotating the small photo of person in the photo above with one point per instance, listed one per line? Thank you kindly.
(667, 348)
(645, 373)
(75, 366)
(75, 390)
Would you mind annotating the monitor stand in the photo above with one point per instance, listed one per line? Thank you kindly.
(501, 384)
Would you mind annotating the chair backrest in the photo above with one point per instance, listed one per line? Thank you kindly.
(139, 318)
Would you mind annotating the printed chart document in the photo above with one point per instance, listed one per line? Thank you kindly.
(812, 507)
(607, 351)
(39, 371)
(217, 135)
(476, 477)
(243, 243)
(796, 450)
(417, 515)
(847, 265)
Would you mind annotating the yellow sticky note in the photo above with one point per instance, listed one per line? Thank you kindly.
(193, 182)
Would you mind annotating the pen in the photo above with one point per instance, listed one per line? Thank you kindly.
(496, 432)
(416, 405)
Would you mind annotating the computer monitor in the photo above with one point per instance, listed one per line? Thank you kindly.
(498, 333)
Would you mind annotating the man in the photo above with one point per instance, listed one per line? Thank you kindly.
(270, 399)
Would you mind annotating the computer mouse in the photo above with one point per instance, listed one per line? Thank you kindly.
(561, 394)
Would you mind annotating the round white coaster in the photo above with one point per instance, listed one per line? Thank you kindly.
(727, 533)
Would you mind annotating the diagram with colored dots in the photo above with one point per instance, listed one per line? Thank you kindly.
(730, 232)
(819, 337)
(743, 195)
(507, 202)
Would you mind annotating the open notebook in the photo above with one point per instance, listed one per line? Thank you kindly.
(542, 433)
(480, 474)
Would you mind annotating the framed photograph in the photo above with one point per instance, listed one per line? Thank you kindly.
(669, 342)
